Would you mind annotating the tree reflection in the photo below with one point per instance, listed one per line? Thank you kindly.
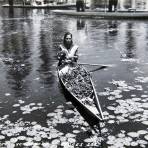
(111, 32)
(130, 44)
(11, 12)
(47, 57)
(112, 28)
(15, 49)
(80, 24)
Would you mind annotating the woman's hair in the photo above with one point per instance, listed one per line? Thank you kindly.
(65, 35)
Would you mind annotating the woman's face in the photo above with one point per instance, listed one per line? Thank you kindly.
(68, 39)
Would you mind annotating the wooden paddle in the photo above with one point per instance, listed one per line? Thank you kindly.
(106, 65)
(98, 68)
(97, 102)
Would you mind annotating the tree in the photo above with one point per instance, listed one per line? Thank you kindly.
(10, 2)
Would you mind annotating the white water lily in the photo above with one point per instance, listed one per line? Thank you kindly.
(133, 134)
(124, 120)
(22, 138)
(111, 108)
(28, 144)
(111, 138)
(60, 106)
(111, 121)
(2, 137)
(131, 88)
(55, 142)
(37, 78)
(142, 132)
(134, 143)
(69, 112)
(146, 137)
(7, 94)
(145, 105)
(54, 135)
(37, 127)
(46, 145)
(65, 144)
(69, 135)
(118, 96)
(21, 101)
(63, 139)
(144, 96)
(76, 131)
(145, 122)
(142, 79)
(51, 114)
(14, 112)
(111, 98)
(121, 135)
(58, 110)
(136, 99)
(37, 138)
(13, 140)
(88, 140)
(9, 144)
(16, 105)
(103, 93)
(71, 140)
(142, 142)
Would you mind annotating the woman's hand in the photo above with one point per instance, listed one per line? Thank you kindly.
(68, 61)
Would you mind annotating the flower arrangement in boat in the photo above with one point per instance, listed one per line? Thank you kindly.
(77, 81)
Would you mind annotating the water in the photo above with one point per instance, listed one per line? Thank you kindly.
(33, 110)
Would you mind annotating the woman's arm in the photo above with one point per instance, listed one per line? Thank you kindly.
(75, 57)
(61, 56)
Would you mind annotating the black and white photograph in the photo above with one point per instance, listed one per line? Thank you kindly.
(73, 74)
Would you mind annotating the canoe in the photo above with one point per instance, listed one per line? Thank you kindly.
(76, 80)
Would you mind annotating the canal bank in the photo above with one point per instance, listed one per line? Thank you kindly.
(60, 6)
(103, 15)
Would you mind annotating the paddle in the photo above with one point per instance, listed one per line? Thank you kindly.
(107, 65)
(99, 68)
(97, 101)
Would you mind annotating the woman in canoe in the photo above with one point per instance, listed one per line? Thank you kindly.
(68, 53)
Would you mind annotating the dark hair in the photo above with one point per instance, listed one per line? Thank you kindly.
(65, 35)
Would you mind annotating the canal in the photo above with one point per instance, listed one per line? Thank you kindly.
(33, 110)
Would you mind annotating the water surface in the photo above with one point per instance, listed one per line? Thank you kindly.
(33, 110)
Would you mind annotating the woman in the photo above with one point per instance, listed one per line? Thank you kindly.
(68, 53)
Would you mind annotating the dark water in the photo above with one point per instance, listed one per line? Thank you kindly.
(33, 109)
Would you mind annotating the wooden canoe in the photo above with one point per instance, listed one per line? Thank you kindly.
(77, 81)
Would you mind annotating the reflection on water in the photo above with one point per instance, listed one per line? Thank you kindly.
(15, 47)
(11, 12)
(131, 45)
(112, 26)
(46, 56)
(30, 93)
(80, 24)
